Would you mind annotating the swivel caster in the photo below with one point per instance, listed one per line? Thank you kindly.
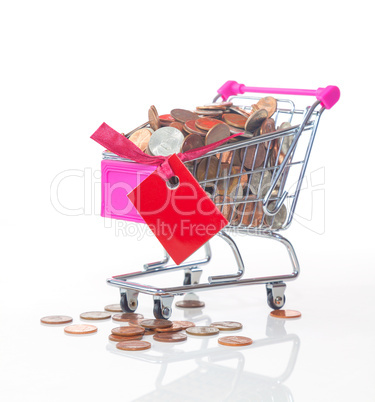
(163, 307)
(275, 295)
(128, 301)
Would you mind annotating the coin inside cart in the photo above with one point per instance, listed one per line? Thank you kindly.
(202, 331)
(80, 329)
(185, 324)
(96, 315)
(133, 345)
(56, 319)
(235, 341)
(174, 328)
(285, 314)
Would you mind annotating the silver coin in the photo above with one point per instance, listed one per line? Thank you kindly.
(166, 141)
(264, 182)
(277, 221)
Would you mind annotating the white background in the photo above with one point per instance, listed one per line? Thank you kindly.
(68, 66)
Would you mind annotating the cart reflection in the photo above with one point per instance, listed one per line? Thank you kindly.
(212, 379)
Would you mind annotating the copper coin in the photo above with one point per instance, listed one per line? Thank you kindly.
(224, 206)
(190, 304)
(234, 119)
(209, 113)
(153, 118)
(170, 337)
(240, 111)
(95, 315)
(206, 123)
(256, 120)
(217, 133)
(202, 331)
(213, 168)
(114, 308)
(235, 341)
(141, 138)
(128, 331)
(192, 141)
(254, 156)
(137, 323)
(184, 324)
(192, 129)
(227, 325)
(285, 314)
(183, 115)
(80, 329)
(56, 319)
(117, 338)
(133, 345)
(166, 118)
(153, 324)
(125, 317)
(178, 125)
(174, 328)
(267, 127)
(215, 106)
(269, 103)
(251, 211)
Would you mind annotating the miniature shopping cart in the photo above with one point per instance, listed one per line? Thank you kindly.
(258, 200)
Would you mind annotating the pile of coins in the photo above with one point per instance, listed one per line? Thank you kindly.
(130, 337)
(244, 175)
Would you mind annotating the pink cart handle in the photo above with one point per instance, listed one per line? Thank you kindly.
(328, 96)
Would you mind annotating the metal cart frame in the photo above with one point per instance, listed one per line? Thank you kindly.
(272, 201)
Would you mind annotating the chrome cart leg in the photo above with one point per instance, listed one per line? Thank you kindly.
(192, 275)
(237, 256)
(129, 300)
(163, 306)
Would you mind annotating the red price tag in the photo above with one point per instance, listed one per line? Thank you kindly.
(182, 218)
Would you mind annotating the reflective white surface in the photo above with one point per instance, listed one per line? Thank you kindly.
(66, 68)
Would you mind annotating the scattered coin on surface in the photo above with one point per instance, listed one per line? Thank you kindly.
(80, 329)
(56, 319)
(125, 317)
(118, 338)
(235, 341)
(174, 328)
(153, 324)
(226, 325)
(285, 314)
(114, 308)
(170, 337)
(202, 331)
(133, 345)
(128, 331)
(95, 315)
(184, 324)
(190, 304)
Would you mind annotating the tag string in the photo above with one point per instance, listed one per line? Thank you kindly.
(123, 147)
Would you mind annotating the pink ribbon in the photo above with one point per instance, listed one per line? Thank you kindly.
(121, 146)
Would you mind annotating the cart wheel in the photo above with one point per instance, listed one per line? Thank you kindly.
(126, 305)
(161, 313)
(271, 302)
(187, 279)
